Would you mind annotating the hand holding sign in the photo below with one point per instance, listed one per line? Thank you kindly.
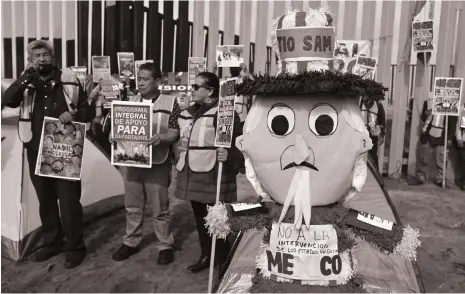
(154, 140)
(222, 155)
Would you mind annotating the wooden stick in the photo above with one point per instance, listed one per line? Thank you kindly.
(212, 255)
(445, 153)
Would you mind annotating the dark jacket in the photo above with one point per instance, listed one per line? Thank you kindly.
(201, 187)
(50, 101)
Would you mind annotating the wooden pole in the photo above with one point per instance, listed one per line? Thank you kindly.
(445, 153)
(212, 255)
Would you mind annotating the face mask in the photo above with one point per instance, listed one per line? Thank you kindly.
(45, 68)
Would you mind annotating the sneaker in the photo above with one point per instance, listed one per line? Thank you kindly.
(415, 182)
(124, 252)
(165, 256)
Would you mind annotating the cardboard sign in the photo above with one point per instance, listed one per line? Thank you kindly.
(306, 44)
(61, 150)
(100, 68)
(422, 36)
(346, 52)
(229, 55)
(131, 128)
(365, 67)
(137, 64)
(244, 206)
(80, 72)
(110, 92)
(375, 221)
(126, 67)
(304, 254)
(226, 106)
(447, 96)
(196, 66)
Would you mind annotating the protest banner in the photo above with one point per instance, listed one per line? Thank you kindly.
(229, 55)
(305, 253)
(365, 67)
(81, 73)
(196, 66)
(447, 96)
(61, 149)
(137, 64)
(346, 52)
(176, 84)
(422, 36)
(131, 128)
(126, 66)
(110, 92)
(225, 121)
(446, 101)
(100, 68)
(306, 44)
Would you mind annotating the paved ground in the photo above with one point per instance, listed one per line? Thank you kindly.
(438, 214)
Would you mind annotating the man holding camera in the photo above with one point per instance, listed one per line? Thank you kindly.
(45, 90)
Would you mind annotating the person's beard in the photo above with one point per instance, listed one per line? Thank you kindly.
(45, 69)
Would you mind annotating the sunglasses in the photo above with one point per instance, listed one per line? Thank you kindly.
(197, 87)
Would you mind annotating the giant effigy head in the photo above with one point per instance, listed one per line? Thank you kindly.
(304, 139)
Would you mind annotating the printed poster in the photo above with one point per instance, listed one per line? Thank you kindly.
(110, 92)
(126, 67)
(229, 55)
(81, 73)
(61, 149)
(304, 254)
(422, 36)
(100, 68)
(346, 52)
(196, 66)
(225, 121)
(131, 128)
(176, 84)
(447, 96)
(137, 64)
(365, 67)
(306, 44)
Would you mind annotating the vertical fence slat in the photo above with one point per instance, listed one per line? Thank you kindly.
(359, 17)
(213, 23)
(76, 33)
(38, 19)
(198, 29)
(168, 36)
(89, 37)
(279, 9)
(154, 22)
(446, 35)
(460, 66)
(246, 9)
(138, 32)
(260, 39)
(182, 43)
(64, 20)
(402, 19)
(349, 21)
(229, 29)
(340, 20)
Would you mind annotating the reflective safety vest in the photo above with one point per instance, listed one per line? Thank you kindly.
(70, 84)
(435, 125)
(162, 108)
(197, 142)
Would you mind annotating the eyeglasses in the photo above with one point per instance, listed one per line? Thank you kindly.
(197, 87)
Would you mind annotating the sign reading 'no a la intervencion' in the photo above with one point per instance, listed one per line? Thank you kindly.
(306, 44)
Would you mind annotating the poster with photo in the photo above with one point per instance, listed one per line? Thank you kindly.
(100, 68)
(61, 149)
(422, 36)
(131, 128)
(225, 121)
(81, 73)
(126, 67)
(447, 96)
(110, 92)
(346, 52)
(365, 67)
(137, 64)
(176, 84)
(229, 55)
(196, 66)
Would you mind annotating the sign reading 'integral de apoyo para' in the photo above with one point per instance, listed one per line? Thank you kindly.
(306, 44)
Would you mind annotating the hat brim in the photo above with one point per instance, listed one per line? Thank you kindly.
(313, 82)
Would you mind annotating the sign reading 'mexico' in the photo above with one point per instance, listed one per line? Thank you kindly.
(306, 44)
